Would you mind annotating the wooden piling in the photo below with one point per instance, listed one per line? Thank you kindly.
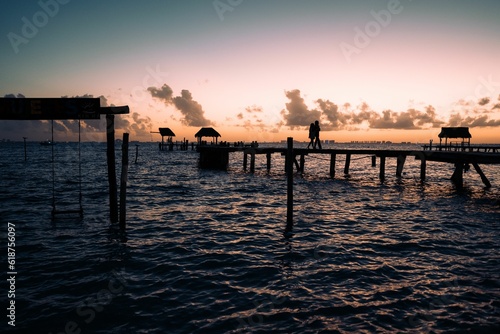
(110, 138)
(400, 164)
(382, 168)
(347, 163)
(302, 162)
(458, 175)
(245, 159)
(123, 182)
(268, 158)
(423, 167)
(252, 162)
(374, 161)
(481, 174)
(25, 155)
(136, 152)
(333, 157)
(289, 188)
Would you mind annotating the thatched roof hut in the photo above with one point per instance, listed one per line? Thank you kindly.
(455, 132)
(207, 132)
(166, 132)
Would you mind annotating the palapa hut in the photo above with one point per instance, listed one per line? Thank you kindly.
(166, 132)
(207, 132)
(455, 132)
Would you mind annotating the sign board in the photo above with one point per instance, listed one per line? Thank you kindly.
(49, 108)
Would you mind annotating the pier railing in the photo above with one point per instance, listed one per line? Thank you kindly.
(460, 147)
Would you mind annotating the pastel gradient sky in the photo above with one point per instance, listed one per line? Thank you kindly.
(262, 69)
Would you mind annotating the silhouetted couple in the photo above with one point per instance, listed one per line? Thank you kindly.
(314, 130)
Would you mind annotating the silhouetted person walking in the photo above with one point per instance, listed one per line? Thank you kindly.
(311, 136)
(317, 129)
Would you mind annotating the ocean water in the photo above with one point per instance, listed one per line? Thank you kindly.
(204, 250)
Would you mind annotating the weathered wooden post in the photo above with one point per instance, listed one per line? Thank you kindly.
(302, 162)
(289, 186)
(123, 182)
(245, 159)
(110, 137)
(400, 164)
(458, 175)
(481, 174)
(382, 168)
(25, 156)
(347, 163)
(333, 157)
(252, 161)
(423, 167)
(374, 160)
(136, 152)
(268, 158)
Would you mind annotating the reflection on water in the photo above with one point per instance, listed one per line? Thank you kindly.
(204, 251)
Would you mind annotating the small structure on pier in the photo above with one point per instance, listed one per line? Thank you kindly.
(166, 132)
(454, 133)
(207, 132)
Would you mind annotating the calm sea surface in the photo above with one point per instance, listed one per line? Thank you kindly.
(204, 251)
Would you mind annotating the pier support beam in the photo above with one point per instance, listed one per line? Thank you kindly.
(302, 162)
(481, 174)
(333, 157)
(382, 169)
(347, 163)
(400, 164)
(374, 161)
(289, 186)
(252, 162)
(245, 160)
(110, 153)
(458, 174)
(123, 182)
(268, 160)
(423, 167)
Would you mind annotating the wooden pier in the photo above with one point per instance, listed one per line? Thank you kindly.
(215, 156)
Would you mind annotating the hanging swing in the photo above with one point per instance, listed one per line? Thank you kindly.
(55, 210)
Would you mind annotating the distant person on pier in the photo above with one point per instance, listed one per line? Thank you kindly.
(311, 135)
(317, 129)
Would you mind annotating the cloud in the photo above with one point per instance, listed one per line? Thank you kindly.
(479, 121)
(191, 110)
(297, 114)
(164, 93)
(483, 101)
(253, 109)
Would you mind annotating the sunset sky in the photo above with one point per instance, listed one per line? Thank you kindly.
(260, 69)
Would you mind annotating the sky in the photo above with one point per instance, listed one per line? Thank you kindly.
(259, 69)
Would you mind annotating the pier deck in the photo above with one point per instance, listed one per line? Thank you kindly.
(214, 156)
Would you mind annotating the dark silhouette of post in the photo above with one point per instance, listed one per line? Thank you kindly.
(289, 187)
(110, 137)
(25, 156)
(123, 182)
(136, 152)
